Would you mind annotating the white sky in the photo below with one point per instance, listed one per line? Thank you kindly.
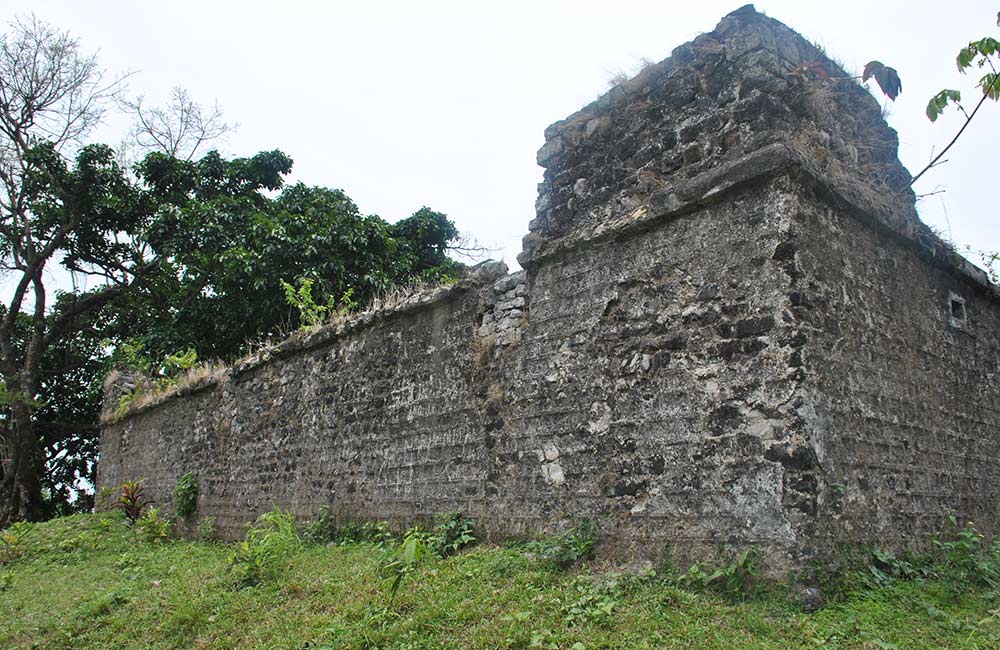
(443, 103)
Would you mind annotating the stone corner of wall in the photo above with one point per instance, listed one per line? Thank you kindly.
(746, 101)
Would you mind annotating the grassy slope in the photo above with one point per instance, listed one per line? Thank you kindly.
(84, 582)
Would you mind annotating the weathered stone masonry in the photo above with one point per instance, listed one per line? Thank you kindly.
(731, 329)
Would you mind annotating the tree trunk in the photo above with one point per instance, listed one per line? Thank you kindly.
(21, 490)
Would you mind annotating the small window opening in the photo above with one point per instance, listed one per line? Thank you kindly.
(957, 310)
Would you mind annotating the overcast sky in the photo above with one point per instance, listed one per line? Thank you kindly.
(443, 103)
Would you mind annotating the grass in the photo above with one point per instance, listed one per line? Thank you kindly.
(86, 582)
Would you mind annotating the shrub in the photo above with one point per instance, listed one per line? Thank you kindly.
(968, 557)
(152, 527)
(566, 549)
(266, 551)
(186, 496)
(451, 533)
(12, 541)
(131, 500)
(403, 562)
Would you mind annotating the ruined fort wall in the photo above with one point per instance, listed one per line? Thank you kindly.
(730, 330)
(604, 384)
(902, 353)
(641, 354)
(378, 420)
(765, 370)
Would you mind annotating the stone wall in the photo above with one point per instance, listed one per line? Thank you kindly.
(902, 355)
(730, 330)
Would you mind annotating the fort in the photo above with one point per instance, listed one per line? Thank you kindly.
(730, 330)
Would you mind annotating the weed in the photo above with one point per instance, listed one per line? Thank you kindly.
(102, 605)
(83, 541)
(566, 549)
(126, 401)
(152, 526)
(206, 529)
(482, 350)
(174, 365)
(266, 552)
(733, 579)
(594, 603)
(327, 528)
(104, 498)
(131, 500)
(404, 560)
(451, 533)
(486, 598)
(311, 313)
(128, 565)
(6, 580)
(322, 530)
(12, 541)
(126, 561)
(967, 557)
(177, 372)
(963, 557)
(186, 496)
(886, 566)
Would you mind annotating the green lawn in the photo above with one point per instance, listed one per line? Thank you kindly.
(87, 582)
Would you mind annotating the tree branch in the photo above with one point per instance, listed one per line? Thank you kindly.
(986, 93)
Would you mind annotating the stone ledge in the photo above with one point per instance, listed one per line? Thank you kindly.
(763, 164)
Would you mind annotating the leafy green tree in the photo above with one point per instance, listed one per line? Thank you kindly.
(232, 251)
(87, 218)
(176, 253)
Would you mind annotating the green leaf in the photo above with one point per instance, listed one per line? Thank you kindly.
(939, 102)
(988, 46)
(932, 110)
(964, 58)
(990, 86)
(886, 77)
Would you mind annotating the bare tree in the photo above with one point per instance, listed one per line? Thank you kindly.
(51, 96)
(179, 129)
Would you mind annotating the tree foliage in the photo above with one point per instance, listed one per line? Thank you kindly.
(51, 95)
(981, 53)
(227, 248)
(170, 255)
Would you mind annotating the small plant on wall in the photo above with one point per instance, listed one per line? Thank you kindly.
(186, 496)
